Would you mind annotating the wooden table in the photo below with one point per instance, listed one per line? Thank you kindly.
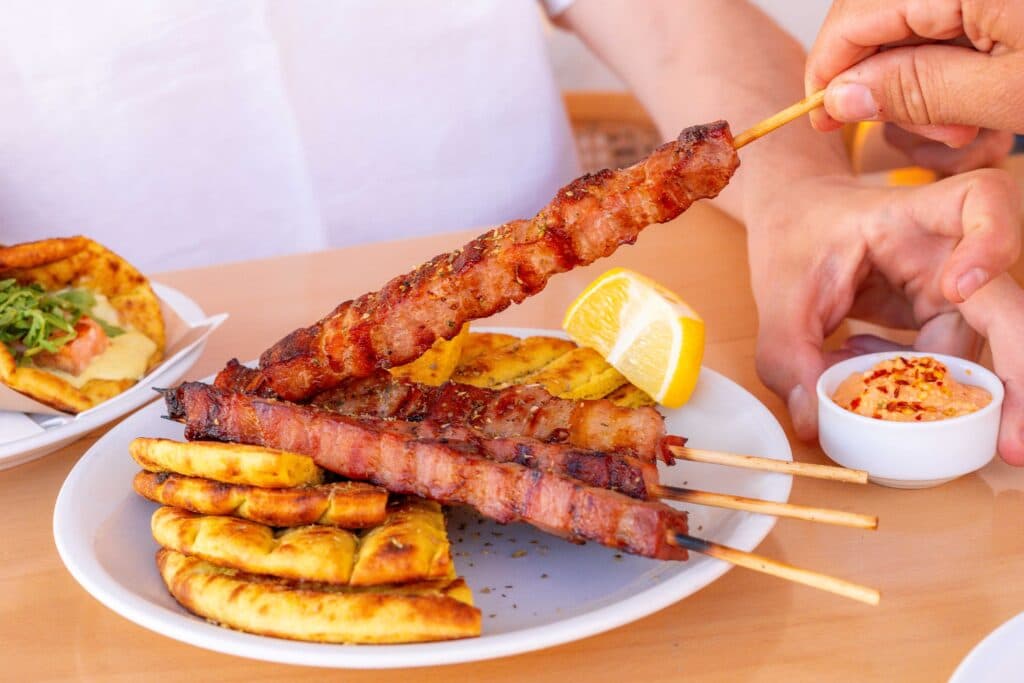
(948, 560)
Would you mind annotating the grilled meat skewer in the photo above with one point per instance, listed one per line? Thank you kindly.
(492, 418)
(424, 414)
(588, 219)
(597, 425)
(617, 471)
(614, 471)
(452, 472)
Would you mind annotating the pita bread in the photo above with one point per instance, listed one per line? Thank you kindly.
(306, 553)
(230, 463)
(411, 545)
(317, 612)
(348, 504)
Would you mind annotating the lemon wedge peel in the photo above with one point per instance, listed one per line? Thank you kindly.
(642, 329)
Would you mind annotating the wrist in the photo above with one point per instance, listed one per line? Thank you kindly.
(775, 176)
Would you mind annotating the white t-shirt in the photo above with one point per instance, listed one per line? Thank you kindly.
(189, 132)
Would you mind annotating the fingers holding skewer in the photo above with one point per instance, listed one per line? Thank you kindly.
(769, 507)
(765, 565)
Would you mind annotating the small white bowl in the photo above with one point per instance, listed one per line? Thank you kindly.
(909, 455)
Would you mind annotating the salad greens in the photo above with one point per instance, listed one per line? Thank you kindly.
(33, 320)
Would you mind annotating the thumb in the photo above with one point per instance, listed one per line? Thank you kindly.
(997, 311)
(981, 210)
(932, 85)
(990, 218)
(789, 364)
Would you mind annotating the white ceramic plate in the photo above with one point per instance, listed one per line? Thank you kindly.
(51, 438)
(999, 658)
(554, 593)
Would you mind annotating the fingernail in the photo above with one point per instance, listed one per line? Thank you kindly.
(971, 281)
(800, 408)
(852, 102)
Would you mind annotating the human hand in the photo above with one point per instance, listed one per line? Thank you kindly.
(829, 248)
(941, 68)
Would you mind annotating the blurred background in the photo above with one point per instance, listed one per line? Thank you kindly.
(611, 128)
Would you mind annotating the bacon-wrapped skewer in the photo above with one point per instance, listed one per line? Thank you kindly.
(448, 471)
(457, 472)
(594, 441)
(524, 410)
(527, 411)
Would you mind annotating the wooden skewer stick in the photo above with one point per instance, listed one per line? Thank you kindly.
(788, 114)
(781, 570)
(752, 462)
(768, 507)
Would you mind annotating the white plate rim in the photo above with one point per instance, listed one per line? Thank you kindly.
(11, 453)
(974, 662)
(86, 569)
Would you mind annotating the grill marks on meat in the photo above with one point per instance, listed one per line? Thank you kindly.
(436, 468)
(588, 219)
(595, 442)
(527, 410)
(616, 472)
(513, 425)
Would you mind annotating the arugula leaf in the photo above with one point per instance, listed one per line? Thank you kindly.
(33, 320)
(108, 329)
(81, 299)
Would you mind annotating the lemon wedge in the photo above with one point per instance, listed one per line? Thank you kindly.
(643, 330)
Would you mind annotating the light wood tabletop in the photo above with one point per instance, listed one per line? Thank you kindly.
(947, 560)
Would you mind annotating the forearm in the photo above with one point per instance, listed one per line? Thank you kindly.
(693, 61)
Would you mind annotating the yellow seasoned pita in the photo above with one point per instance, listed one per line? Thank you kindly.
(435, 367)
(78, 262)
(320, 612)
(306, 553)
(563, 369)
(483, 344)
(629, 396)
(411, 545)
(348, 504)
(579, 374)
(504, 364)
(231, 463)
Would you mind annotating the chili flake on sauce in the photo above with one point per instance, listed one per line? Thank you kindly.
(909, 389)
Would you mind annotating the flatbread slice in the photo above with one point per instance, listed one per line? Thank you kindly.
(306, 553)
(435, 366)
(629, 396)
(230, 463)
(348, 504)
(494, 360)
(484, 343)
(579, 374)
(505, 365)
(411, 545)
(322, 613)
